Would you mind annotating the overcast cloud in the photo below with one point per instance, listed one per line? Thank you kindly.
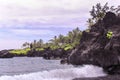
(26, 20)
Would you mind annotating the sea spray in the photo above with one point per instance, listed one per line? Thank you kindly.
(60, 74)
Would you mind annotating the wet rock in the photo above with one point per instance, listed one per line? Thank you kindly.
(64, 61)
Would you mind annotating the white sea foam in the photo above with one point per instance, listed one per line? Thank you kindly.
(60, 74)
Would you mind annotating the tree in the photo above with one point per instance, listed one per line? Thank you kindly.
(70, 40)
(40, 43)
(70, 36)
(54, 40)
(34, 44)
(61, 39)
(90, 23)
(98, 12)
(26, 45)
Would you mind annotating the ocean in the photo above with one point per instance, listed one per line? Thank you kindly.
(36, 68)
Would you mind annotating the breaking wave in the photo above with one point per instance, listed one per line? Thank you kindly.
(60, 74)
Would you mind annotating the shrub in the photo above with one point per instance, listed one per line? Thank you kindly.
(109, 34)
(20, 51)
(39, 49)
(67, 47)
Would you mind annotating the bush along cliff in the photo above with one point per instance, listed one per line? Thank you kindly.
(100, 46)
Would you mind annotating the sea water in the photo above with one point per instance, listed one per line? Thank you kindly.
(24, 68)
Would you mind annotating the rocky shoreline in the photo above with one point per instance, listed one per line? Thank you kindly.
(95, 48)
(46, 54)
(109, 77)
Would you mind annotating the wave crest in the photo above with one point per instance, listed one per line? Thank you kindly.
(60, 74)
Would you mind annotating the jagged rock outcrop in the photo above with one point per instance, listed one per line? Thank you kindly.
(95, 48)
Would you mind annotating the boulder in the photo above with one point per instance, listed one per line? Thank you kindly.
(48, 53)
(64, 61)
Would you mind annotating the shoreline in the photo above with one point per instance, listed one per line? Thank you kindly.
(108, 77)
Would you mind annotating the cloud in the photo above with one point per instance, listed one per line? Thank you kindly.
(17, 12)
(28, 32)
(21, 13)
(22, 20)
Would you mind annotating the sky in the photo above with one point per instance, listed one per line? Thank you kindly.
(27, 20)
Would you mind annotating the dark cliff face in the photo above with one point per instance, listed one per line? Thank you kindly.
(95, 48)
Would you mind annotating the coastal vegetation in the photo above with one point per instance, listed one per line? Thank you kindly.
(98, 45)
(72, 39)
(67, 42)
(20, 51)
(109, 34)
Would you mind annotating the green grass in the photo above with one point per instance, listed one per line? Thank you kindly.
(20, 51)
(67, 47)
(24, 51)
(39, 49)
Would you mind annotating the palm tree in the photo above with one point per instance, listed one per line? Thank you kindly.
(34, 44)
(26, 45)
(40, 43)
(70, 36)
(61, 39)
